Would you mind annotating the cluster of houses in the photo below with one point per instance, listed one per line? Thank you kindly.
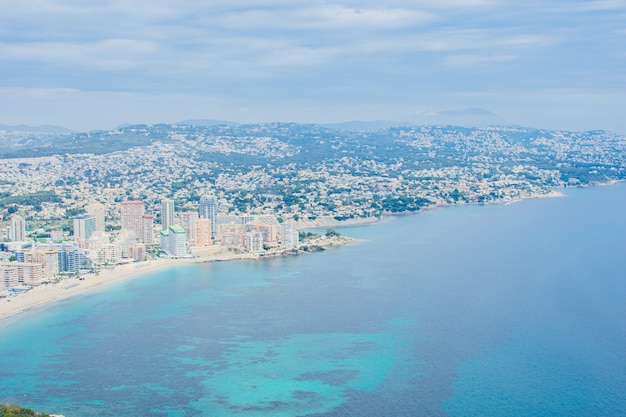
(25, 262)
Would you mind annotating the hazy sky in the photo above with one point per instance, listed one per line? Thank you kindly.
(98, 63)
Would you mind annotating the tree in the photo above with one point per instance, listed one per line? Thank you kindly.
(12, 410)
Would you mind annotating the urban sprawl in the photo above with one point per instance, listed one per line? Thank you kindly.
(72, 204)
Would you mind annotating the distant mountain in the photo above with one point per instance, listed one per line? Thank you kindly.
(206, 122)
(371, 125)
(472, 117)
(36, 129)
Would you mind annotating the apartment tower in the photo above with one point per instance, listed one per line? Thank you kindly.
(167, 214)
(208, 210)
(132, 217)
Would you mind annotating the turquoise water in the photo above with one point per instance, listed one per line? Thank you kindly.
(464, 311)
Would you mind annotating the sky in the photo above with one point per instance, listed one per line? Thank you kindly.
(97, 64)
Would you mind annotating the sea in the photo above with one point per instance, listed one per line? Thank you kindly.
(482, 310)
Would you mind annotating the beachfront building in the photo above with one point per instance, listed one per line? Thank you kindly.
(131, 216)
(225, 231)
(70, 260)
(254, 242)
(174, 242)
(202, 233)
(48, 258)
(98, 211)
(147, 229)
(101, 250)
(18, 229)
(138, 252)
(291, 237)
(167, 213)
(177, 242)
(124, 240)
(84, 226)
(98, 240)
(268, 231)
(234, 240)
(17, 274)
(208, 209)
(108, 254)
(188, 222)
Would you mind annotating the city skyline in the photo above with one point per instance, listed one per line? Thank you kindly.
(557, 66)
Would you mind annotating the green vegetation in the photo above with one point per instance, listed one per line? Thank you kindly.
(32, 199)
(403, 204)
(99, 142)
(307, 235)
(73, 212)
(12, 410)
(310, 171)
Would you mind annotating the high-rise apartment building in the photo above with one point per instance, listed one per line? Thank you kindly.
(70, 260)
(14, 274)
(177, 245)
(138, 252)
(174, 241)
(208, 210)
(202, 232)
(147, 229)
(84, 226)
(18, 229)
(188, 222)
(291, 236)
(167, 214)
(254, 242)
(131, 217)
(98, 211)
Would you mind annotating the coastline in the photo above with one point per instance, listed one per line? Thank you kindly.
(42, 295)
(45, 294)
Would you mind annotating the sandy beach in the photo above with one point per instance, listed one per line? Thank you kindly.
(71, 287)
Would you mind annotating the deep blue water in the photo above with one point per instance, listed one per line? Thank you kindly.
(512, 310)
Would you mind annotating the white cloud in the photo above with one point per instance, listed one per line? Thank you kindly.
(604, 5)
(110, 54)
(473, 60)
(314, 53)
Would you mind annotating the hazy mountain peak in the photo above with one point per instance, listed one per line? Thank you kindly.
(35, 129)
(470, 117)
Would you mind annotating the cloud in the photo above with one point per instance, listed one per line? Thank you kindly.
(110, 54)
(473, 60)
(607, 5)
(359, 53)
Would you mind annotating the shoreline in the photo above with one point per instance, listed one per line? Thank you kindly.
(47, 294)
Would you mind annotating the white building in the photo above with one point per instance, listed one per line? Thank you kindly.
(131, 216)
(147, 229)
(84, 226)
(98, 211)
(202, 233)
(208, 209)
(167, 214)
(18, 229)
(14, 274)
(254, 241)
(174, 242)
(125, 239)
(291, 236)
(188, 222)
